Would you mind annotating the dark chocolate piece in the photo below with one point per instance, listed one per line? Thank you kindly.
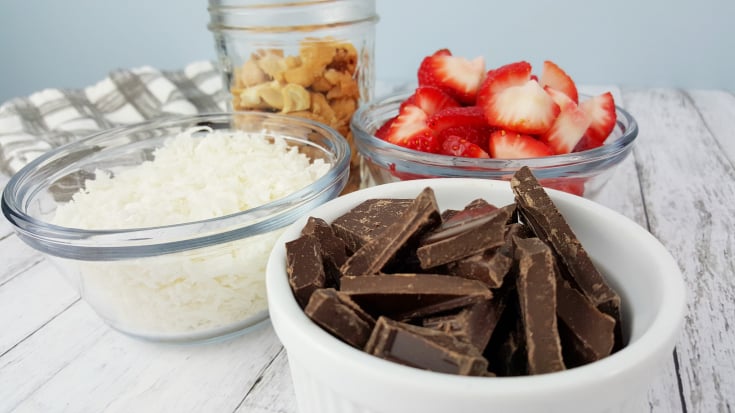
(304, 267)
(424, 348)
(407, 296)
(539, 211)
(339, 315)
(463, 238)
(367, 220)
(421, 215)
(473, 324)
(537, 297)
(587, 333)
(492, 265)
(333, 249)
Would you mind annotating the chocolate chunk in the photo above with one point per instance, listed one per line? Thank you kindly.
(407, 296)
(421, 215)
(587, 333)
(339, 315)
(537, 297)
(304, 267)
(367, 220)
(539, 211)
(473, 324)
(492, 265)
(461, 238)
(424, 348)
(333, 249)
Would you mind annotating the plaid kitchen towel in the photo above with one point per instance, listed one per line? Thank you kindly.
(33, 125)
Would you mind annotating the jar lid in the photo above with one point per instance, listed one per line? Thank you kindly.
(288, 15)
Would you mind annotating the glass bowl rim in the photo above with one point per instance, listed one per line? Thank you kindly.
(619, 146)
(150, 241)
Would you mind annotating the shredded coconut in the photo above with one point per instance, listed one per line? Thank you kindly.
(189, 179)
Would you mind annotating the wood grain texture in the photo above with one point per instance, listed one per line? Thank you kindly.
(623, 194)
(717, 109)
(689, 186)
(274, 392)
(29, 301)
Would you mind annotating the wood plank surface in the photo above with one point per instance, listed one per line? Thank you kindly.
(623, 194)
(688, 196)
(56, 355)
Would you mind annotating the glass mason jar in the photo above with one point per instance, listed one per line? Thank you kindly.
(313, 59)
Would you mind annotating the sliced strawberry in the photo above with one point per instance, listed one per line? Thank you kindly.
(586, 143)
(382, 131)
(431, 99)
(569, 126)
(457, 76)
(457, 116)
(573, 186)
(512, 145)
(512, 101)
(458, 146)
(553, 76)
(409, 130)
(601, 111)
(497, 80)
(475, 134)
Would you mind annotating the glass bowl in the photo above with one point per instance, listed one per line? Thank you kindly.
(582, 172)
(182, 282)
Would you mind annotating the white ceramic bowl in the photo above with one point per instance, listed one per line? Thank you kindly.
(332, 377)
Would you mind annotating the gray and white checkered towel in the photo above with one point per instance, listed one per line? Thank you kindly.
(33, 125)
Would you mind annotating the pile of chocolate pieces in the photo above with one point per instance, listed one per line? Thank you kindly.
(482, 291)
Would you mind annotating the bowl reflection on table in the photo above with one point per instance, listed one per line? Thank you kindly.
(187, 281)
(580, 172)
(330, 376)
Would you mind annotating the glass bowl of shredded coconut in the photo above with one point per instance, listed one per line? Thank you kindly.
(165, 227)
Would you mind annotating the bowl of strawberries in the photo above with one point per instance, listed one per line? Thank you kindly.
(464, 120)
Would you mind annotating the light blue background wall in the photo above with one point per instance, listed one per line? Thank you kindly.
(74, 43)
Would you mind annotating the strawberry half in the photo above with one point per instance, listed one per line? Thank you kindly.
(382, 131)
(573, 186)
(569, 127)
(511, 100)
(475, 134)
(512, 145)
(554, 77)
(409, 130)
(430, 99)
(601, 111)
(457, 116)
(457, 76)
(458, 146)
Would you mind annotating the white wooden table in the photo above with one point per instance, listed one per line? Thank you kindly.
(57, 355)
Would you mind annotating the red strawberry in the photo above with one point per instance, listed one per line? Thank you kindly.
(573, 186)
(553, 76)
(457, 116)
(569, 126)
(457, 76)
(586, 143)
(409, 130)
(512, 145)
(475, 134)
(458, 146)
(511, 100)
(430, 99)
(497, 80)
(601, 111)
(382, 131)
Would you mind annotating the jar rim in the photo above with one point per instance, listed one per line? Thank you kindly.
(288, 15)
